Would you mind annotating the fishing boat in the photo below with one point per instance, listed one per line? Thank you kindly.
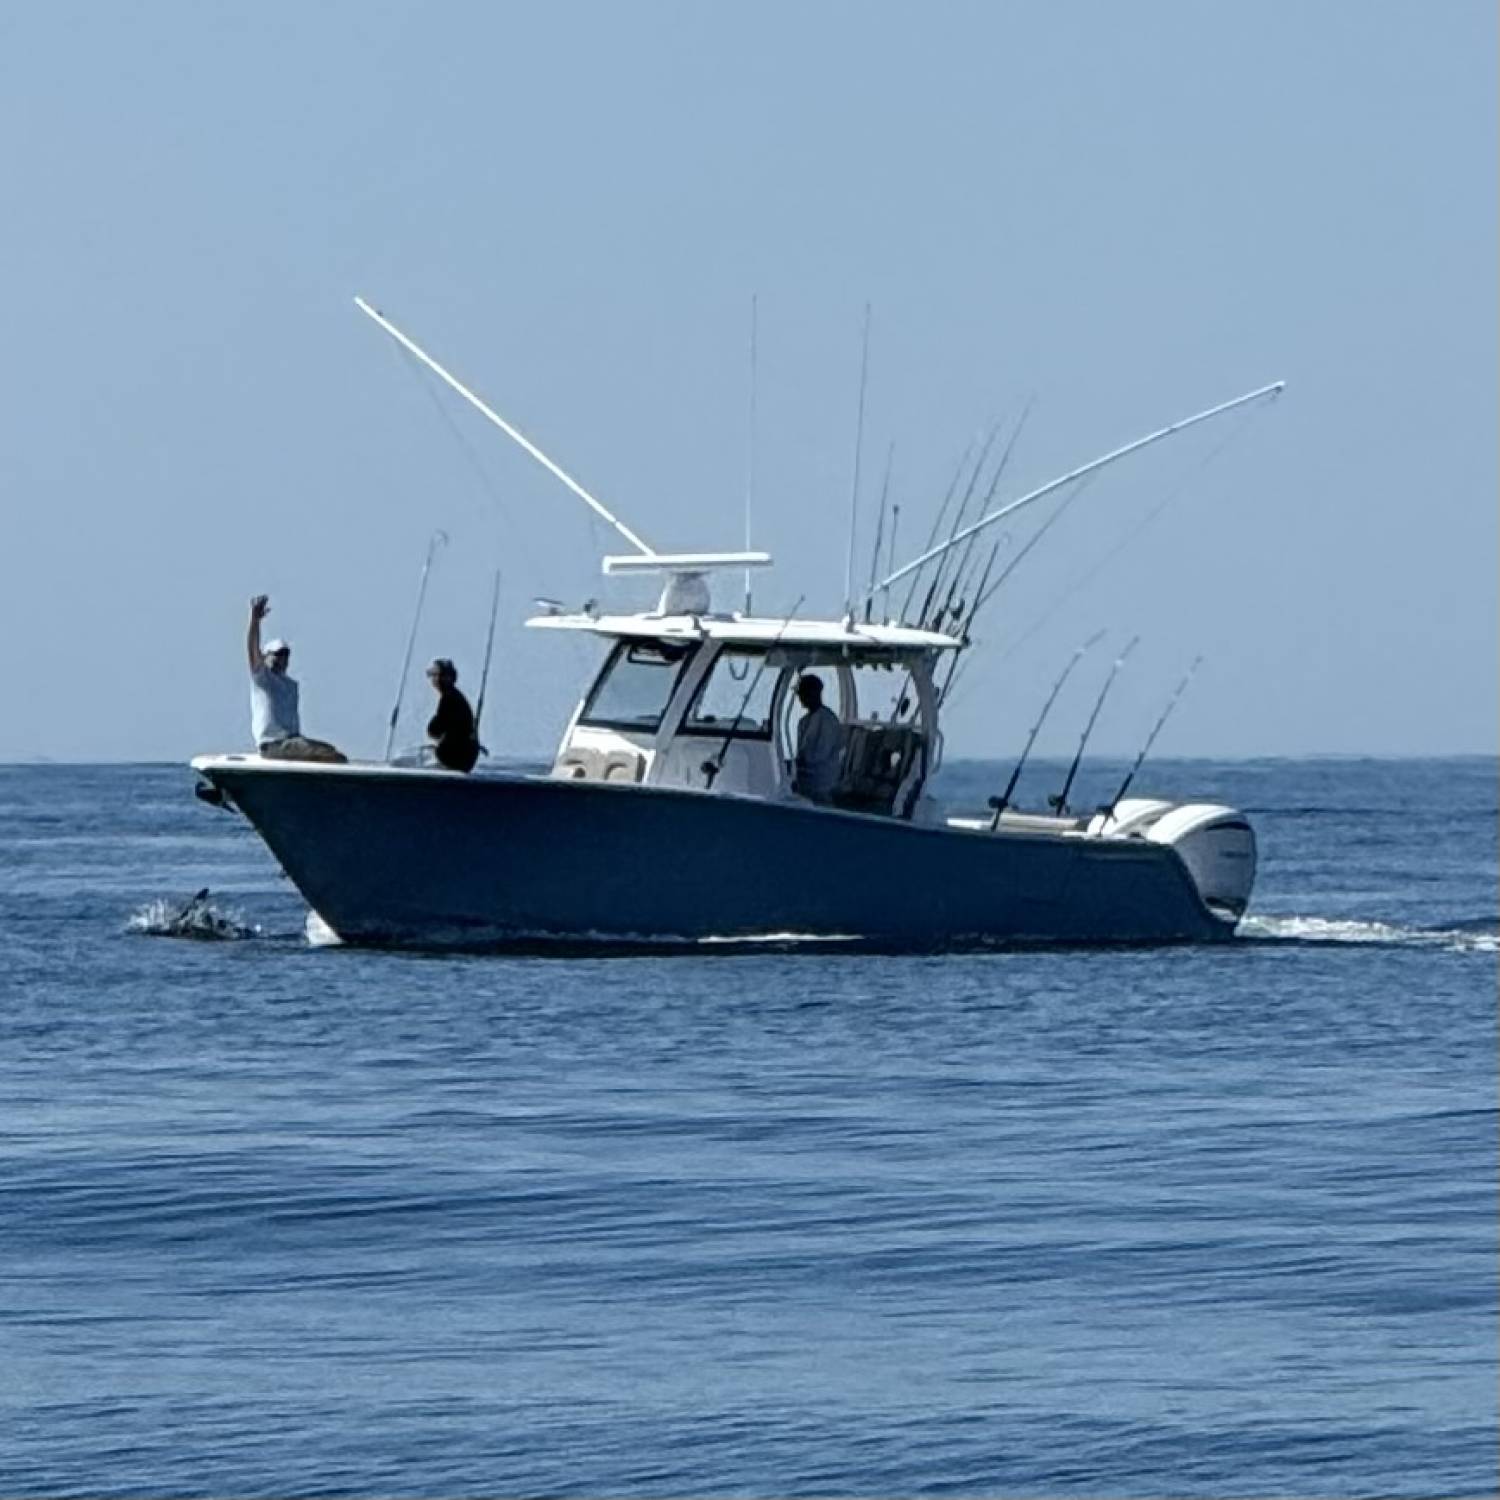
(672, 815)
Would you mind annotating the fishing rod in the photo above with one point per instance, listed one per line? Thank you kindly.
(489, 647)
(1109, 807)
(885, 603)
(859, 440)
(903, 701)
(1001, 802)
(885, 492)
(1059, 803)
(984, 594)
(937, 522)
(968, 620)
(963, 567)
(436, 540)
(958, 520)
(715, 763)
(1113, 456)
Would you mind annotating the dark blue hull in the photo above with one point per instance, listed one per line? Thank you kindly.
(433, 860)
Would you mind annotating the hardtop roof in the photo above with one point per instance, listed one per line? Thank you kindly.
(740, 630)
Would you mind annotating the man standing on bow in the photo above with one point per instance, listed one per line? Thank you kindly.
(275, 717)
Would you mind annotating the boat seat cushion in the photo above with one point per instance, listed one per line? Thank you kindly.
(877, 759)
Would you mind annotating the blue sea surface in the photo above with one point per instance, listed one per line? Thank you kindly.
(1198, 1221)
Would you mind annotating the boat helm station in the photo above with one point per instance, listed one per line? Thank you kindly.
(709, 702)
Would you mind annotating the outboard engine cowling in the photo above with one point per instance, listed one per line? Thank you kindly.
(1217, 844)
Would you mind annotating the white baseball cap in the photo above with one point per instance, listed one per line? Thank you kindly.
(274, 646)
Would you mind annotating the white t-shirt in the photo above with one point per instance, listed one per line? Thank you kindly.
(273, 706)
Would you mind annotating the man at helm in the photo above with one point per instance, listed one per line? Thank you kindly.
(820, 743)
(275, 719)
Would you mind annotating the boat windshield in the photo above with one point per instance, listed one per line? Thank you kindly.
(735, 698)
(635, 686)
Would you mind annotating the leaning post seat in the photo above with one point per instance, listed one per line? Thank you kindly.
(877, 759)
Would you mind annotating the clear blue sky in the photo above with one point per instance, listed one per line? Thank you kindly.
(1128, 211)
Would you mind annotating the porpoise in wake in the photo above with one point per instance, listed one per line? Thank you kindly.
(197, 918)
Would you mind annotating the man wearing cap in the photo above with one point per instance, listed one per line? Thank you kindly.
(451, 729)
(275, 721)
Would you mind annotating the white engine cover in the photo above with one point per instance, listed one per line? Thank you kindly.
(1216, 844)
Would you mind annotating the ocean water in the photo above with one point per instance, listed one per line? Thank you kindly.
(277, 1219)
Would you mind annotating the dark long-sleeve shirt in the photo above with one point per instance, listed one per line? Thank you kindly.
(451, 730)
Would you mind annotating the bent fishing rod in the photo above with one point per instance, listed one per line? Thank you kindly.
(1059, 803)
(1001, 802)
(436, 540)
(715, 763)
(1108, 809)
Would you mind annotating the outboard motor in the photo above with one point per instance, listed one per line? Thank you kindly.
(1216, 844)
(1218, 847)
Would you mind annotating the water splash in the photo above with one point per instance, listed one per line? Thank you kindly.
(200, 919)
(1464, 939)
(318, 933)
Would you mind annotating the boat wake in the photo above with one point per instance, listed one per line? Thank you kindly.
(198, 918)
(1467, 937)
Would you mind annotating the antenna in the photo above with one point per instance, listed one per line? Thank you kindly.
(596, 506)
(1109, 807)
(1001, 802)
(1112, 456)
(436, 540)
(859, 434)
(1059, 803)
(750, 449)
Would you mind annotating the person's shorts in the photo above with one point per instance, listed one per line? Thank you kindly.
(299, 747)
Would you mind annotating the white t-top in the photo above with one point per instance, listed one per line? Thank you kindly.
(273, 706)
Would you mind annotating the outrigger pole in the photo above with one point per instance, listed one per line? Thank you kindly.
(1060, 801)
(596, 506)
(1001, 802)
(436, 540)
(1274, 389)
(646, 558)
(1109, 807)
